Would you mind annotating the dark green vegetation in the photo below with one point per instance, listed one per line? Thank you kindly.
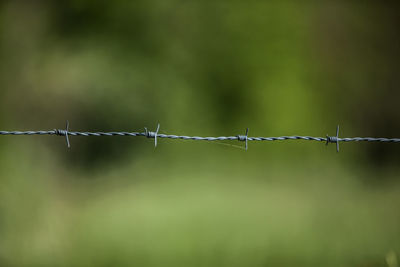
(199, 68)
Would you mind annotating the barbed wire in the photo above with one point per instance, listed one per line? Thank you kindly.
(242, 138)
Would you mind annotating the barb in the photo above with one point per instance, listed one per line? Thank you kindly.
(153, 134)
(334, 139)
(242, 138)
(64, 133)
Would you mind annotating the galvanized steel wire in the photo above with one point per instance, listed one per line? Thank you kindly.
(243, 138)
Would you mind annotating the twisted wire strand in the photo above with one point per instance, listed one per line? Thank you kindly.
(200, 138)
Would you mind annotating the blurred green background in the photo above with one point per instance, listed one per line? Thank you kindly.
(203, 68)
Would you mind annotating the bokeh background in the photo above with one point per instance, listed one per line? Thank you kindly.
(203, 68)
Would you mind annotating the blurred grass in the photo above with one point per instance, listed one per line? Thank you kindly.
(152, 213)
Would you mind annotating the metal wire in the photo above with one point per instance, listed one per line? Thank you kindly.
(243, 138)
